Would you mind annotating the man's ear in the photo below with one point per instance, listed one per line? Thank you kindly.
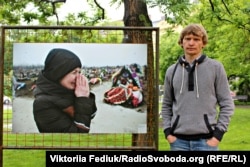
(181, 45)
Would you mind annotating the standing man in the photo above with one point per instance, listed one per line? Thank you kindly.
(194, 88)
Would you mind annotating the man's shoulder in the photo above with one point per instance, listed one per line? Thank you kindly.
(213, 61)
(172, 66)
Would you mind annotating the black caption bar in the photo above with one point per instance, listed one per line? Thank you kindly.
(113, 158)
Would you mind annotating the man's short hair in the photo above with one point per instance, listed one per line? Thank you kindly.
(195, 29)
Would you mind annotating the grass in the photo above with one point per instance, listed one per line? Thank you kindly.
(238, 136)
(236, 139)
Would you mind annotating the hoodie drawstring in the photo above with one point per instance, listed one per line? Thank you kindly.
(182, 80)
(196, 80)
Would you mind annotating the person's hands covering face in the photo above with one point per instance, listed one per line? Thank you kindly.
(82, 86)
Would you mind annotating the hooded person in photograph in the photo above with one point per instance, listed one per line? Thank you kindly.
(63, 101)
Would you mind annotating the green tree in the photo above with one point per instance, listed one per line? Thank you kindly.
(169, 52)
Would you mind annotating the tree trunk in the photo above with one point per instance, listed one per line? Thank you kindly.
(136, 15)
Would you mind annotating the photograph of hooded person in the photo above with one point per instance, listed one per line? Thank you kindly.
(63, 101)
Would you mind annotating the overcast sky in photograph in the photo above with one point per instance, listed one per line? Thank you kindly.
(90, 54)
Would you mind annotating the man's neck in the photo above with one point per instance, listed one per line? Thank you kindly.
(190, 58)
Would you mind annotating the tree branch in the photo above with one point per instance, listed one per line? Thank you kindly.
(226, 20)
(99, 6)
(53, 3)
(212, 5)
(226, 7)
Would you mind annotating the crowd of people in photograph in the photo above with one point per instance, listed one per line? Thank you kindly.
(132, 77)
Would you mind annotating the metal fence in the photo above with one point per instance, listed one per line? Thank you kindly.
(11, 35)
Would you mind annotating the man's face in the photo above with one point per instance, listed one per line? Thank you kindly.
(192, 45)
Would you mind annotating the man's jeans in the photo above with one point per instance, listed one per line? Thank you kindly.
(191, 145)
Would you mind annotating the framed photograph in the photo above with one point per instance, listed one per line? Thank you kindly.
(116, 74)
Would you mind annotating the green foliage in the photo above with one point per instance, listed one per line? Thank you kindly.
(8, 84)
(42, 12)
(169, 53)
(175, 11)
(29, 17)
